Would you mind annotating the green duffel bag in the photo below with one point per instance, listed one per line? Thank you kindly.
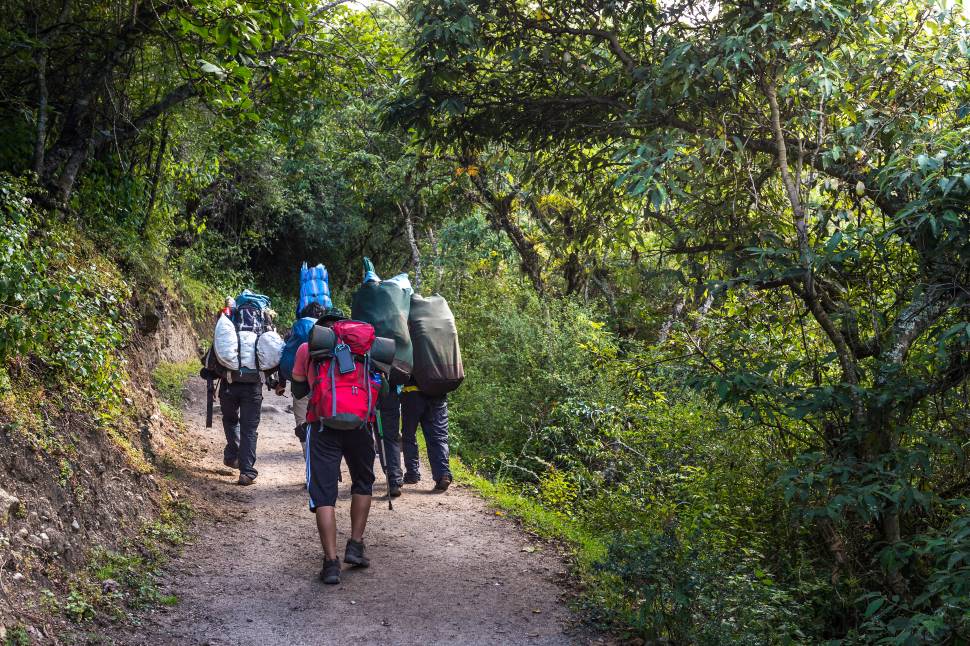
(386, 305)
(437, 357)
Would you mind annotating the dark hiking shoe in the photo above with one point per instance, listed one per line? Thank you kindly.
(354, 554)
(443, 483)
(330, 574)
(411, 478)
(232, 464)
(394, 490)
(245, 480)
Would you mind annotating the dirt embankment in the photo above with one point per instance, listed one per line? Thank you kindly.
(445, 569)
(70, 484)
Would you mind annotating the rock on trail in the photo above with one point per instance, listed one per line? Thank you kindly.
(444, 568)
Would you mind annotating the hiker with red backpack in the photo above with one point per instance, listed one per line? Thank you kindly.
(344, 387)
(299, 334)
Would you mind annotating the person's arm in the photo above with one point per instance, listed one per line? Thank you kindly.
(301, 367)
(301, 364)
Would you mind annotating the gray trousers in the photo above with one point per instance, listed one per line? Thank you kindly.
(432, 414)
(389, 406)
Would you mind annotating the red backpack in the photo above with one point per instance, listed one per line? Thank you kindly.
(345, 401)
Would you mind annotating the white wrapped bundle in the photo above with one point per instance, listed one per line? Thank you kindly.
(269, 349)
(247, 349)
(226, 343)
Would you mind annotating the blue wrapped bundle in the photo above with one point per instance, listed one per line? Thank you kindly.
(314, 287)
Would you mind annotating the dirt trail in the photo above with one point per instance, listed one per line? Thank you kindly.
(444, 568)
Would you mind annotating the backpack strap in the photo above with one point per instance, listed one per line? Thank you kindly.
(235, 324)
(333, 390)
(313, 363)
(370, 396)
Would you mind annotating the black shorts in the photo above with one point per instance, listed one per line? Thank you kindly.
(324, 448)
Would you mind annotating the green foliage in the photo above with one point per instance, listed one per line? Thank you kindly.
(170, 379)
(709, 264)
(557, 408)
(808, 224)
(60, 304)
(687, 591)
(17, 636)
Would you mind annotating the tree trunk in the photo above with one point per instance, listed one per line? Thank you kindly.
(157, 171)
(412, 242)
(40, 133)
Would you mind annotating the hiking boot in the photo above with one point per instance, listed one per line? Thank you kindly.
(443, 483)
(394, 490)
(245, 480)
(354, 554)
(232, 464)
(411, 478)
(330, 574)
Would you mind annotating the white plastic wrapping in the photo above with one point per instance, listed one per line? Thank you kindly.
(269, 349)
(236, 351)
(226, 344)
(247, 349)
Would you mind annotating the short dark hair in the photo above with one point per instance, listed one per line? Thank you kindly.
(332, 314)
(313, 310)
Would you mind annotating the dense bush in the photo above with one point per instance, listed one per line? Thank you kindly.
(594, 428)
(61, 305)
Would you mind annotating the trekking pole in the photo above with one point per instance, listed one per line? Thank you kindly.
(379, 439)
(210, 395)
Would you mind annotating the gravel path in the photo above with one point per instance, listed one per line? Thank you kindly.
(445, 569)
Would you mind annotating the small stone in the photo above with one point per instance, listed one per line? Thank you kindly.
(128, 401)
(75, 525)
(45, 538)
(9, 504)
(17, 576)
(353, 603)
(109, 585)
(35, 541)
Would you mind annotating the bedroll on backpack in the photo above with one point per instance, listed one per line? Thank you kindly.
(314, 287)
(438, 369)
(323, 340)
(386, 306)
(345, 401)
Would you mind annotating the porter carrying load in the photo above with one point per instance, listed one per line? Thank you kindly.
(246, 344)
(385, 304)
(438, 369)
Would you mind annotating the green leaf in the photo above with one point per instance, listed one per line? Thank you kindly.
(874, 607)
